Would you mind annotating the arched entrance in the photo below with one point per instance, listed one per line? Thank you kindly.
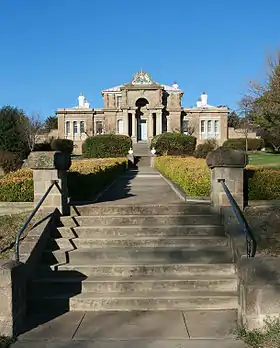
(142, 119)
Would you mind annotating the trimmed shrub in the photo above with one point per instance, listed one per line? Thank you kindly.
(262, 183)
(191, 174)
(64, 145)
(17, 186)
(240, 144)
(202, 150)
(45, 146)
(88, 177)
(174, 144)
(106, 145)
(9, 161)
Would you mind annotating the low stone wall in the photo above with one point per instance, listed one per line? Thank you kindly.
(15, 275)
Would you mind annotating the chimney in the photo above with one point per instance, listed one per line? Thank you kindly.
(203, 99)
(81, 100)
(175, 85)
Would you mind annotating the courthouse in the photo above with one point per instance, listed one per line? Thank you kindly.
(142, 109)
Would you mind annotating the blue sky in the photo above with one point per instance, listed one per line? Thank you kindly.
(51, 50)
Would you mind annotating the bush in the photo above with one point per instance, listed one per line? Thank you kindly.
(9, 161)
(106, 145)
(64, 145)
(202, 150)
(88, 177)
(190, 173)
(262, 183)
(17, 186)
(174, 144)
(240, 144)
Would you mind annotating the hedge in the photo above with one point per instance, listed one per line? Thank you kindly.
(64, 145)
(202, 150)
(190, 173)
(176, 144)
(106, 146)
(88, 177)
(85, 178)
(17, 186)
(240, 144)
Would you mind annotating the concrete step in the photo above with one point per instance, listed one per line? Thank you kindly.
(100, 209)
(143, 220)
(169, 300)
(143, 269)
(140, 231)
(57, 283)
(137, 242)
(140, 255)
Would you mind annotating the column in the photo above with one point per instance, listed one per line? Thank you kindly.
(150, 126)
(169, 127)
(133, 120)
(125, 122)
(159, 123)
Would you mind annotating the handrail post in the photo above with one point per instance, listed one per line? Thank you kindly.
(227, 165)
(49, 167)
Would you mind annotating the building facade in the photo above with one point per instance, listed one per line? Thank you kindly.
(142, 109)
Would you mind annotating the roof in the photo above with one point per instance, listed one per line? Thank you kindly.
(118, 88)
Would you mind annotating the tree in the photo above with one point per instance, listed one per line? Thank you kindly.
(12, 137)
(31, 129)
(51, 123)
(233, 120)
(265, 103)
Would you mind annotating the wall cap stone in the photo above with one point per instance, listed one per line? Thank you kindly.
(48, 160)
(224, 157)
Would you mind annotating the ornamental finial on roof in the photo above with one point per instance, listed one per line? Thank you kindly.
(142, 78)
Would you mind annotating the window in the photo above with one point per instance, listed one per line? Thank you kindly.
(75, 127)
(82, 127)
(119, 101)
(67, 128)
(120, 126)
(99, 127)
(202, 126)
(217, 127)
(209, 126)
(186, 126)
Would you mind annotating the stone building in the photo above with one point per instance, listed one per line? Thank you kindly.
(142, 109)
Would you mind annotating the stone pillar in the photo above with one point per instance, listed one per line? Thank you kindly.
(47, 167)
(159, 123)
(133, 120)
(169, 126)
(125, 122)
(227, 165)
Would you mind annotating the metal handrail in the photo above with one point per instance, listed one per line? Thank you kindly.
(250, 239)
(20, 232)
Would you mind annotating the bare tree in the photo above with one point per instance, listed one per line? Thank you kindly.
(32, 129)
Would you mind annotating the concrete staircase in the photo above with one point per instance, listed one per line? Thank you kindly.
(137, 257)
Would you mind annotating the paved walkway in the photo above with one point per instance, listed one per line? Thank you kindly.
(142, 186)
(158, 329)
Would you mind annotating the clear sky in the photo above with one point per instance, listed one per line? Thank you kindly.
(51, 50)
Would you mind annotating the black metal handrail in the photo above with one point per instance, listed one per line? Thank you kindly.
(20, 232)
(250, 239)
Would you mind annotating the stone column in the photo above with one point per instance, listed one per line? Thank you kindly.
(227, 165)
(169, 126)
(159, 123)
(125, 122)
(133, 120)
(150, 126)
(49, 167)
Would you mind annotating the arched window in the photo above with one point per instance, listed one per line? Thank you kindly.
(82, 127)
(67, 127)
(75, 127)
(120, 126)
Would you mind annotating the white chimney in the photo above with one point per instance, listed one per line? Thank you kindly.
(198, 103)
(86, 105)
(203, 99)
(175, 85)
(81, 100)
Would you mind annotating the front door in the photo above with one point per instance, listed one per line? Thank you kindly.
(143, 130)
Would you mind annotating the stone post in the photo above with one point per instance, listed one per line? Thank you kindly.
(228, 165)
(133, 120)
(159, 123)
(125, 122)
(169, 127)
(49, 166)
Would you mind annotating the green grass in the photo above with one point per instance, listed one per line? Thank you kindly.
(265, 159)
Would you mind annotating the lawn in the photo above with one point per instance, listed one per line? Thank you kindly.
(265, 159)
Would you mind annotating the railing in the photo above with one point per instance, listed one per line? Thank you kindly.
(250, 239)
(20, 232)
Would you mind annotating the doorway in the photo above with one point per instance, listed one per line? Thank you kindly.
(142, 130)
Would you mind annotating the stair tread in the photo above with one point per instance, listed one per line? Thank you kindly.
(146, 295)
(77, 278)
(142, 215)
(175, 237)
(141, 226)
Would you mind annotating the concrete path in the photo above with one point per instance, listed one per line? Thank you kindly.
(161, 329)
(8, 208)
(142, 186)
